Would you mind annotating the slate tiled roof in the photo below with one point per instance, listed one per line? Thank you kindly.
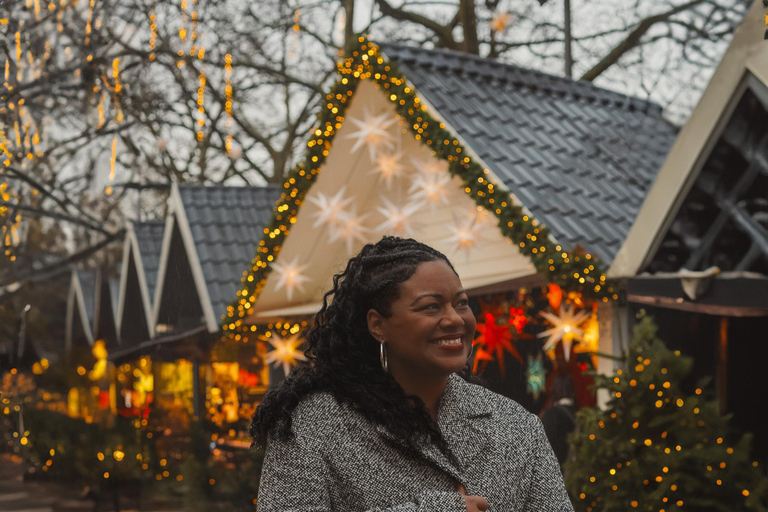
(580, 158)
(227, 224)
(149, 236)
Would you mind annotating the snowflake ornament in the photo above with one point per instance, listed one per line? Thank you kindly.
(285, 351)
(290, 276)
(372, 132)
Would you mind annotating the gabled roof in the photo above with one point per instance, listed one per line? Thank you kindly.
(578, 157)
(142, 247)
(149, 241)
(220, 227)
(743, 71)
(80, 306)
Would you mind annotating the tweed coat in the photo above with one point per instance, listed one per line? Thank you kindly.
(339, 461)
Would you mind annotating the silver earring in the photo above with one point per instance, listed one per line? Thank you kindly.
(383, 356)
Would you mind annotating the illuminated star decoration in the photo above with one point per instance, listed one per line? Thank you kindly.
(465, 234)
(494, 340)
(430, 188)
(388, 167)
(591, 338)
(350, 228)
(285, 353)
(372, 132)
(564, 328)
(536, 377)
(430, 166)
(290, 276)
(332, 209)
(398, 220)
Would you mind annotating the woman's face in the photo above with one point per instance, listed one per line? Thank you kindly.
(430, 331)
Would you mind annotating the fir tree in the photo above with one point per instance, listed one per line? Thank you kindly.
(656, 449)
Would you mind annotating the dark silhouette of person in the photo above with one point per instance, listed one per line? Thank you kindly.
(559, 418)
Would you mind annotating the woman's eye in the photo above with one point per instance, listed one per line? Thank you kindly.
(433, 306)
(463, 303)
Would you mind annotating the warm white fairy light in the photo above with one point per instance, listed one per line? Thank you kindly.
(388, 167)
(290, 276)
(500, 21)
(565, 328)
(399, 220)
(285, 351)
(372, 132)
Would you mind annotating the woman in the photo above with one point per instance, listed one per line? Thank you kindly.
(379, 420)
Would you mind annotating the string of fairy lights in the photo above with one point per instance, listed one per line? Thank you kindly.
(571, 271)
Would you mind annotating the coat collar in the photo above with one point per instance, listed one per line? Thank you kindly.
(460, 412)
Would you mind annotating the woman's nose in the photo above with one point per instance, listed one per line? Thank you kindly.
(452, 318)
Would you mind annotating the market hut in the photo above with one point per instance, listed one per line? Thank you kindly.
(525, 179)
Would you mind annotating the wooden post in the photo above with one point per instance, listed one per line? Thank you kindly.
(722, 366)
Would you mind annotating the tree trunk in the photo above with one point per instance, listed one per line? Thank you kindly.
(468, 22)
(349, 20)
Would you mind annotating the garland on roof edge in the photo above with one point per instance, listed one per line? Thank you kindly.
(576, 271)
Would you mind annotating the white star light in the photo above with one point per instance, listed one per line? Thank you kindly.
(430, 188)
(350, 228)
(290, 276)
(565, 328)
(388, 167)
(429, 166)
(285, 352)
(332, 209)
(398, 220)
(373, 132)
(465, 234)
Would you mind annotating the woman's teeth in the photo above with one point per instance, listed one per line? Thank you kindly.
(444, 343)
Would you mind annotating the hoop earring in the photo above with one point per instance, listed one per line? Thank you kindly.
(383, 357)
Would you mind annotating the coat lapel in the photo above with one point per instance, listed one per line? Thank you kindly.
(459, 412)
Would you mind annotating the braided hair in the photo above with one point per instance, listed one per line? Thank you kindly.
(344, 357)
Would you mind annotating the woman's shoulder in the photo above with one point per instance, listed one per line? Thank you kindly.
(316, 411)
(503, 409)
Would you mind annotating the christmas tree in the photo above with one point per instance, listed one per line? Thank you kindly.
(654, 448)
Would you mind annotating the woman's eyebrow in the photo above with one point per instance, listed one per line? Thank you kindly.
(436, 296)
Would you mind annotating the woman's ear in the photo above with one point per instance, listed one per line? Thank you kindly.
(376, 324)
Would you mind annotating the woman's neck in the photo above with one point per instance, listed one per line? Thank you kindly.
(428, 389)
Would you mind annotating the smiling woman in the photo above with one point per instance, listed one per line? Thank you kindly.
(382, 417)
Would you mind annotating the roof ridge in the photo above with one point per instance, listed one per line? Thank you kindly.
(228, 187)
(547, 82)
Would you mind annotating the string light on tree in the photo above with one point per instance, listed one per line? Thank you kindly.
(500, 21)
(285, 353)
(565, 328)
(372, 132)
(290, 276)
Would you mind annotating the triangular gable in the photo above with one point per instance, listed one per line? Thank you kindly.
(743, 69)
(181, 299)
(79, 302)
(104, 323)
(212, 231)
(138, 277)
(515, 222)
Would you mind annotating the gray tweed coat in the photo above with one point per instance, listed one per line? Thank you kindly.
(339, 461)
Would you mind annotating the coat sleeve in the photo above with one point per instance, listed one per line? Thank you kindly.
(295, 478)
(546, 490)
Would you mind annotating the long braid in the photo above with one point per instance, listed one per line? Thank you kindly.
(344, 357)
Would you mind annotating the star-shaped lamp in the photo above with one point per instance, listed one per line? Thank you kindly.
(564, 328)
(290, 276)
(372, 132)
(285, 351)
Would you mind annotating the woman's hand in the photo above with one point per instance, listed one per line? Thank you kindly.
(474, 503)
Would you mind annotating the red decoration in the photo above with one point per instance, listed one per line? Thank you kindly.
(555, 296)
(517, 318)
(495, 340)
